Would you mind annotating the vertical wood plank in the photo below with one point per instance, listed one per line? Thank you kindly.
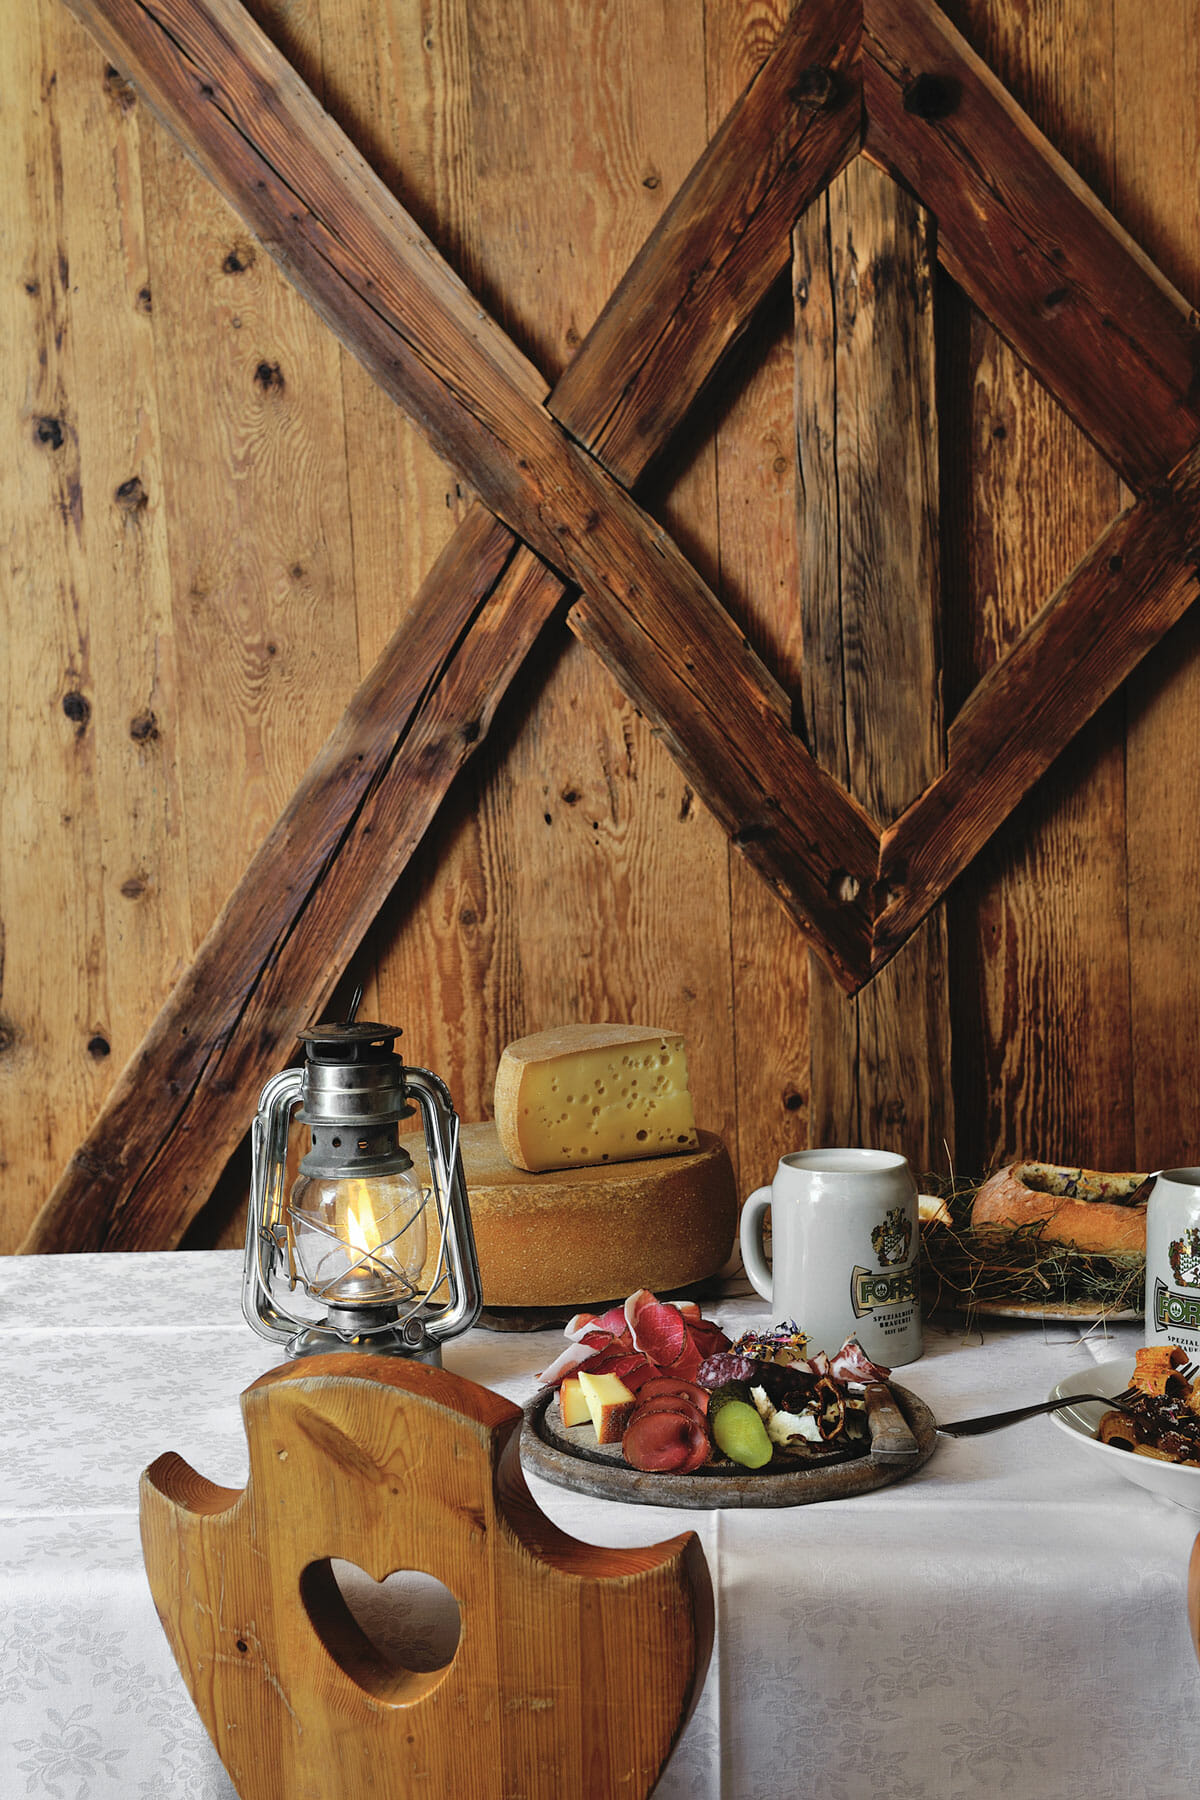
(94, 904)
(752, 546)
(398, 79)
(549, 890)
(1155, 195)
(1039, 950)
(868, 505)
(254, 464)
(52, 960)
(262, 569)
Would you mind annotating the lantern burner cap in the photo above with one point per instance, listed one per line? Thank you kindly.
(351, 1075)
(359, 1042)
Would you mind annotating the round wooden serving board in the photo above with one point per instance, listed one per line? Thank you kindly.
(573, 1459)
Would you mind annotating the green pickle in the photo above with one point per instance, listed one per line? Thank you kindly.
(736, 1428)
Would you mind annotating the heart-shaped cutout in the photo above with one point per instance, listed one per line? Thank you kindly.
(396, 1638)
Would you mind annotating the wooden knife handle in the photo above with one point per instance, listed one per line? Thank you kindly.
(890, 1433)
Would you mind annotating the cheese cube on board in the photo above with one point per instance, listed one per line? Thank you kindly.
(572, 1402)
(587, 1094)
(609, 1402)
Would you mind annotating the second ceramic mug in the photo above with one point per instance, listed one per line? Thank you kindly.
(1173, 1261)
(845, 1243)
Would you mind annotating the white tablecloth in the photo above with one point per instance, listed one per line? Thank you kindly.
(1010, 1620)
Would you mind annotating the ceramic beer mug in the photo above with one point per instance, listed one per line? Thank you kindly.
(845, 1245)
(1173, 1261)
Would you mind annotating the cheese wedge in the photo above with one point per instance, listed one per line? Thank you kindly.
(572, 1403)
(586, 1094)
(609, 1402)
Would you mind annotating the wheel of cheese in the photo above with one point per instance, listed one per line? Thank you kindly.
(1084, 1209)
(566, 1237)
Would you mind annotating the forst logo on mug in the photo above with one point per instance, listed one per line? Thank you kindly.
(1184, 1257)
(1180, 1311)
(891, 1240)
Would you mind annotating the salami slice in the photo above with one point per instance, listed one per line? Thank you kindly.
(726, 1365)
(665, 1441)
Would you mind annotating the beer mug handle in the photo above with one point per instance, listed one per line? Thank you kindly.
(750, 1239)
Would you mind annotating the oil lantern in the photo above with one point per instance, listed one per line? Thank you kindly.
(341, 1262)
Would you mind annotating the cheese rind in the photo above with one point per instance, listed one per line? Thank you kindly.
(575, 1237)
(579, 1095)
(609, 1402)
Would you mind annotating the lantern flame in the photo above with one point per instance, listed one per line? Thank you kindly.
(358, 1232)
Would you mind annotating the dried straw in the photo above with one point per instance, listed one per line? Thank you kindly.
(964, 1273)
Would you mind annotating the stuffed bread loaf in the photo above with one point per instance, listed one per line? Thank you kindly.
(1085, 1209)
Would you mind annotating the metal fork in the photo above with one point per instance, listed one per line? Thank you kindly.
(994, 1421)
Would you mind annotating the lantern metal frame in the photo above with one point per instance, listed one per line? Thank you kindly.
(415, 1327)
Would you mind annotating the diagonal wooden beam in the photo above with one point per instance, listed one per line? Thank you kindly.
(699, 278)
(1137, 580)
(352, 250)
(1079, 302)
(180, 1107)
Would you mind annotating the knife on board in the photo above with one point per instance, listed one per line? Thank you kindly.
(891, 1438)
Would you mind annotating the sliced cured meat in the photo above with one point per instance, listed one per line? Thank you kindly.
(621, 1363)
(641, 1372)
(687, 1363)
(707, 1337)
(667, 1386)
(851, 1363)
(670, 1403)
(665, 1442)
(660, 1332)
(613, 1320)
(726, 1365)
(571, 1358)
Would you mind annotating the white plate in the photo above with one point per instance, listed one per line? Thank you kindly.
(1170, 1481)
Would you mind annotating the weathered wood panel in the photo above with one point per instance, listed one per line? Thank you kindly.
(866, 420)
(1025, 236)
(361, 263)
(749, 536)
(1037, 932)
(1157, 196)
(1068, 1040)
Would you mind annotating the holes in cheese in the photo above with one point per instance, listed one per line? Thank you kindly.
(582, 1094)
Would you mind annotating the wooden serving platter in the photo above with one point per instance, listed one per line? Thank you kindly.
(571, 1458)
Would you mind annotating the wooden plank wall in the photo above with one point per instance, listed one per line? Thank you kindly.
(214, 522)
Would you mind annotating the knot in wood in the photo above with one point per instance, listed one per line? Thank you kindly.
(844, 888)
(815, 89)
(932, 96)
(131, 496)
